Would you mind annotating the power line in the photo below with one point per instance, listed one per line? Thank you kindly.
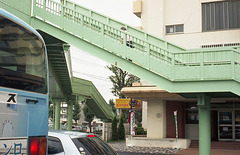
(93, 76)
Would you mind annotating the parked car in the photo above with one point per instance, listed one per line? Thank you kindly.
(77, 143)
(76, 128)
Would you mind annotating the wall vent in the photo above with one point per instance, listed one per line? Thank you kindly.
(220, 45)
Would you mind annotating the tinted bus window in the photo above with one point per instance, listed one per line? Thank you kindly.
(22, 58)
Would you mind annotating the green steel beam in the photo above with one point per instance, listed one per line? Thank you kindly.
(204, 124)
(57, 115)
(69, 115)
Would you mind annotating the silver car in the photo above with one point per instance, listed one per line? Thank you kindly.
(77, 143)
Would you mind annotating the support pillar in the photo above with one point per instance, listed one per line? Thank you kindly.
(69, 116)
(204, 124)
(57, 116)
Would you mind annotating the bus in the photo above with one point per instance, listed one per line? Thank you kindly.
(24, 90)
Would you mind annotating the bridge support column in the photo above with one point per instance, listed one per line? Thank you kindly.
(69, 116)
(57, 115)
(204, 124)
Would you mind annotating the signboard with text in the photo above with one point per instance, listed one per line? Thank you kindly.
(124, 103)
(13, 146)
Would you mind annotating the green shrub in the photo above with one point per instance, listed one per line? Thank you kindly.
(121, 130)
(114, 129)
(140, 131)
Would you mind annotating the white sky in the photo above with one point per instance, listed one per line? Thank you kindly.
(89, 67)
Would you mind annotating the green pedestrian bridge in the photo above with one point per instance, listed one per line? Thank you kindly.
(193, 73)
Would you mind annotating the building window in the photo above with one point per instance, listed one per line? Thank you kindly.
(191, 110)
(220, 15)
(171, 29)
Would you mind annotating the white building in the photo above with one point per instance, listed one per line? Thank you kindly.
(189, 24)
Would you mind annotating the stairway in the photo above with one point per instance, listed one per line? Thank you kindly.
(214, 71)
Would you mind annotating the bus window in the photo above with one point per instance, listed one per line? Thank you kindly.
(22, 58)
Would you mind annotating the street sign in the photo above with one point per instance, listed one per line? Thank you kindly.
(132, 123)
(124, 104)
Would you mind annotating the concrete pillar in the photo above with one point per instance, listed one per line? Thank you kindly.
(144, 114)
(57, 115)
(156, 118)
(204, 124)
(69, 116)
(107, 131)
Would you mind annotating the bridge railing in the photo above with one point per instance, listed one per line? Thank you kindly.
(152, 53)
(159, 56)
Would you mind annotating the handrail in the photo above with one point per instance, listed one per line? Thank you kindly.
(148, 51)
(145, 50)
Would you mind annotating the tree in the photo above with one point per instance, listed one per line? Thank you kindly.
(121, 130)
(114, 129)
(120, 79)
(76, 112)
(111, 102)
(89, 115)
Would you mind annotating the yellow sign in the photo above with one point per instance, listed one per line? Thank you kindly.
(124, 103)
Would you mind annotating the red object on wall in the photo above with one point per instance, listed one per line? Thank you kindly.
(172, 106)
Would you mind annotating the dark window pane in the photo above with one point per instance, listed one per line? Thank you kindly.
(22, 58)
(237, 132)
(219, 16)
(54, 145)
(203, 17)
(225, 117)
(225, 15)
(170, 29)
(225, 132)
(232, 7)
(212, 18)
(208, 13)
(191, 117)
(93, 145)
(238, 14)
(237, 117)
(179, 28)
(235, 19)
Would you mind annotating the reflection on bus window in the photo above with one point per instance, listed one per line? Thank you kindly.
(22, 58)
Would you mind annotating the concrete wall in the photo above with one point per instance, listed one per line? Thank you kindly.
(156, 118)
(157, 14)
(165, 142)
(144, 114)
(152, 17)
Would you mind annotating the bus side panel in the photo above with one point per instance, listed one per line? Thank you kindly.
(27, 117)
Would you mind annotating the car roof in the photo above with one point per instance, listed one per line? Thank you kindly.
(64, 133)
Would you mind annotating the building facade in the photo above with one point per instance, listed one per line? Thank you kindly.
(190, 24)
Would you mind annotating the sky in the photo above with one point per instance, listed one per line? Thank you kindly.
(89, 67)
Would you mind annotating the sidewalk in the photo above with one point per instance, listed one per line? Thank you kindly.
(194, 151)
(121, 147)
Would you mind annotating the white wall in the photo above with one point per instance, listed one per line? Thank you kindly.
(144, 114)
(157, 14)
(152, 17)
(156, 126)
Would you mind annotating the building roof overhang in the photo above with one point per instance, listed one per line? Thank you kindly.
(148, 92)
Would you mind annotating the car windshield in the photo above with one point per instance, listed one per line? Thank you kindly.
(93, 146)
